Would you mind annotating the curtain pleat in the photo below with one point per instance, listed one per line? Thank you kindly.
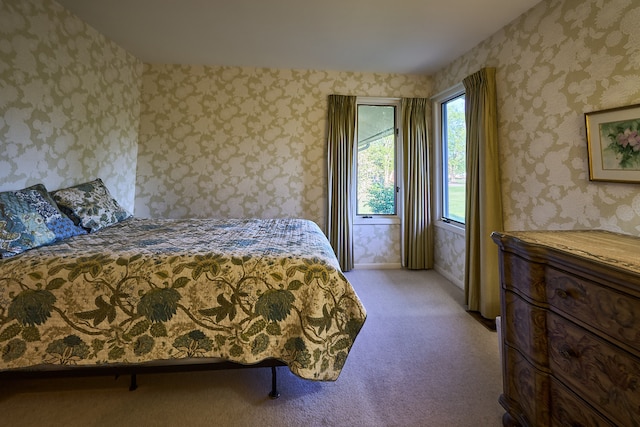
(340, 144)
(483, 213)
(418, 236)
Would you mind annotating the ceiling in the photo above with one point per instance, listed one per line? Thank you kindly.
(394, 36)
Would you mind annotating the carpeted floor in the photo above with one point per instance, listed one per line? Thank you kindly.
(420, 360)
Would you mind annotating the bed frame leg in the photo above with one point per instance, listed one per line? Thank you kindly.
(274, 394)
(134, 382)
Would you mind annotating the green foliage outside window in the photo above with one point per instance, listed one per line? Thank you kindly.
(376, 171)
(455, 150)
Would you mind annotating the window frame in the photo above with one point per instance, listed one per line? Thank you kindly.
(438, 101)
(378, 219)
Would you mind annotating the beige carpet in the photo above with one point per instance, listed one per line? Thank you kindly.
(420, 360)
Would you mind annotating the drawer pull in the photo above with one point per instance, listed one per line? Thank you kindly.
(568, 353)
(561, 293)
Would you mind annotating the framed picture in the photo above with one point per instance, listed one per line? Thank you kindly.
(613, 140)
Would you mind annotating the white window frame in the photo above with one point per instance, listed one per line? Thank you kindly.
(438, 100)
(382, 219)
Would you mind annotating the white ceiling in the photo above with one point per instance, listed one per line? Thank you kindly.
(395, 36)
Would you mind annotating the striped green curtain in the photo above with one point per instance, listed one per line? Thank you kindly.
(483, 213)
(340, 143)
(418, 235)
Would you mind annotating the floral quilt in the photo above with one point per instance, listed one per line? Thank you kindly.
(157, 289)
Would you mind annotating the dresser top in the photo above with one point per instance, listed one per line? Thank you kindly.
(605, 247)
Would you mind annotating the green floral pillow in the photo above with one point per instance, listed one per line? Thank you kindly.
(21, 226)
(90, 205)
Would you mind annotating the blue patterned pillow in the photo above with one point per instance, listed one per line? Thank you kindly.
(21, 227)
(39, 199)
(90, 205)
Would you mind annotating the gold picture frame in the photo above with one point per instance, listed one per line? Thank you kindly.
(613, 141)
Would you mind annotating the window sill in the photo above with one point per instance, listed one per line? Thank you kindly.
(376, 220)
(451, 226)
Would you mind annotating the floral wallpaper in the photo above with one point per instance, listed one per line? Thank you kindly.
(238, 142)
(170, 140)
(377, 245)
(559, 60)
(187, 140)
(69, 102)
(448, 256)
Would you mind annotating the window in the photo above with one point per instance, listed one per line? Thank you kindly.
(376, 159)
(452, 137)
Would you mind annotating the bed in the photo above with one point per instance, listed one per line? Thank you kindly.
(140, 293)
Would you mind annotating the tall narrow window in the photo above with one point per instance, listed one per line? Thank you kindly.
(454, 140)
(376, 177)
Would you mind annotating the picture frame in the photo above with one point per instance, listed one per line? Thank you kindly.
(613, 141)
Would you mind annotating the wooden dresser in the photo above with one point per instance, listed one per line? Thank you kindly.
(570, 320)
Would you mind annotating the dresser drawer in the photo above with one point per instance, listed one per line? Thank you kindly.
(525, 277)
(526, 328)
(605, 376)
(570, 328)
(526, 390)
(569, 410)
(614, 313)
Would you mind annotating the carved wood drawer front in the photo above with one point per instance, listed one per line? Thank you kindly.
(524, 277)
(614, 313)
(570, 307)
(607, 377)
(569, 410)
(526, 329)
(527, 389)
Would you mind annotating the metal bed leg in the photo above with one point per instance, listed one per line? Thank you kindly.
(274, 394)
(134, 383)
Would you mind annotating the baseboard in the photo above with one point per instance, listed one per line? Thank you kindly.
(447, 275)
(490, 324)
(381, 266)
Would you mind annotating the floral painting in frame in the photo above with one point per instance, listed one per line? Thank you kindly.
(613, 140)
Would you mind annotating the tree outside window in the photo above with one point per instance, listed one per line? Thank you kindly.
(376, 160)
(454, 148)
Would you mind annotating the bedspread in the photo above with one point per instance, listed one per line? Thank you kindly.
(158, 289)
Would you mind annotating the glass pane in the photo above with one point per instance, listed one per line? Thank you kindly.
(376, 157)
(454, 138)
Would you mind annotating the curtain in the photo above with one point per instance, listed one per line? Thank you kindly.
(483, 213)
(418, 237)
(341, 145)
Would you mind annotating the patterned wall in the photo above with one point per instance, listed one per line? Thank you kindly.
(449, 251)
(377, 246)
(225, 141)
(248, 142)
(69, 102)
(559, 60)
